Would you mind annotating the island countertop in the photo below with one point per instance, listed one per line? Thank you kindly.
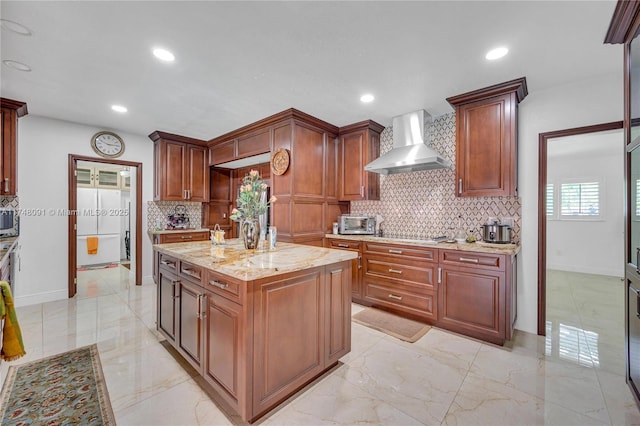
(233, 259)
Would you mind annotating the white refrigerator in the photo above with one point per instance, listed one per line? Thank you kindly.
(99, 214)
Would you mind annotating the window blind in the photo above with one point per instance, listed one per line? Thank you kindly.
(580, 199)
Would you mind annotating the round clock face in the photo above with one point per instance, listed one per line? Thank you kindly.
(107, 144)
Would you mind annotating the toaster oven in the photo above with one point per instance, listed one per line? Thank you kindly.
(359, 225)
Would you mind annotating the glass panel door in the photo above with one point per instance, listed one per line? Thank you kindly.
(84, 177)
(107, 178)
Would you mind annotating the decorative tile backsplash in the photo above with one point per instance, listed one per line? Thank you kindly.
(13, 202)
(421, 205)
(158, 211)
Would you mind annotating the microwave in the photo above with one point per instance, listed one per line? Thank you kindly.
(8, 225)
(363, 225)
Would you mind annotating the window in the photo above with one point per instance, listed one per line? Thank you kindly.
(580, 199)
(550, 197)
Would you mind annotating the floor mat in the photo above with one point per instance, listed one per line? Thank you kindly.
(393, 325)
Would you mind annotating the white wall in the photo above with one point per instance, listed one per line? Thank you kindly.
(574, 105)
(590, 246)
(43, 148)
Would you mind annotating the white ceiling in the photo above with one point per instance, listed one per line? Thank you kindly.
(238, 62)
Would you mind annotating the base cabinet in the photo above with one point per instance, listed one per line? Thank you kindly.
(256, 342)
(476, 294)
(356, 264)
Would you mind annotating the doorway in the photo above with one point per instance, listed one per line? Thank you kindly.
(573, 200)
(84, 175)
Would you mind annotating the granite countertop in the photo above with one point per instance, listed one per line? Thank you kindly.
(479, 247)
(6, 246)
(176, 231)
(234, 260)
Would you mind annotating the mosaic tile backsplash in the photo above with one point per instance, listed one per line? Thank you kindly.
(421, 205)
(12, 202)
(158, 211)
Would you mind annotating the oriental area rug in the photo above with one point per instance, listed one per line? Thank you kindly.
(393, 325)
(64, 389)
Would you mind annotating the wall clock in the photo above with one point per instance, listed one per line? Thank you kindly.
(107, 144)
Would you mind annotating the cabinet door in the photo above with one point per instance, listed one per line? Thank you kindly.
(351, 185)
(472, 301)
(107, 178)
(167, 295)
(170, 179)
(8, 160)
(198, 174)
(486, 159)
(338, 320)
(84, 177)
(191, 313)
(224, 346)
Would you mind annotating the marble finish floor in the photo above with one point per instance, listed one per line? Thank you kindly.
(574, 376)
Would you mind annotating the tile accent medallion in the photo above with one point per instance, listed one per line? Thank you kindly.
(157, 212)
(423, 204)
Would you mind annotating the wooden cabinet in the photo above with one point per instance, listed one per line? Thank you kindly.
(356, 264)
(10, 111)
(180, 237)
(224, 348)
(181, 171)
(401, 278)
(254, 141)
(486, 139)
(477, 294)
(359, 145)
(95, 177)
(167, 295)
(255, 342)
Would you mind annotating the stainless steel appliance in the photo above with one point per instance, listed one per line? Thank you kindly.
(496, 233)
(358, 225)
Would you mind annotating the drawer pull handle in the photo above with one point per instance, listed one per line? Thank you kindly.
(219, 284)
(167, 263)
(191, 272)
(186, 237)
(439, 275)
(395, 271)
(173, 286)
(359, 262)
(466, 259)
(343, 245)
(6, 184)
(393, 296)
(395, 251)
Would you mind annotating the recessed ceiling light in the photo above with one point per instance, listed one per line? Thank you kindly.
(15, 27)
(118, 108)
(16, 65)
(367, 98)
(163, 55)
(496, 53)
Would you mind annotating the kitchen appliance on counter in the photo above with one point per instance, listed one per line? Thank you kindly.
(179, 218)
(496, 233)
(356, 225)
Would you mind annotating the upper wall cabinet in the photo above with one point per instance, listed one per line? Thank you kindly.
(359, 145)
(10, 111)
(242, 146)
(181, 171)
(486, 139)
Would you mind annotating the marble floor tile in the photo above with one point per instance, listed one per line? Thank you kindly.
(335, 401)
(574, 375)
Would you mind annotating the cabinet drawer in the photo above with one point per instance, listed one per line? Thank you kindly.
(191, 271)
(223, 286)
(169, 263)
(404, 252)
(467, 258)
(181, 237)
(344, 244)
(413, 272)
(393, 297)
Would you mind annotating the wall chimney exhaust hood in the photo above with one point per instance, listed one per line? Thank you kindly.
(411, 149)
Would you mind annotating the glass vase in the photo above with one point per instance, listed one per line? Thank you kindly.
(250, 231)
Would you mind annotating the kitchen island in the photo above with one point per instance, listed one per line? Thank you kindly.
(257, 325)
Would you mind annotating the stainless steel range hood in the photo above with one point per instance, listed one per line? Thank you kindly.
(411, 151)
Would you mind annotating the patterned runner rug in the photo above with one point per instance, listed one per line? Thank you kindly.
(64, 389)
